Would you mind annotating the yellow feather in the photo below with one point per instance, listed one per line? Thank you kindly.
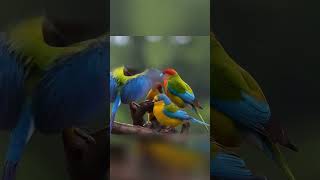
(162, 118)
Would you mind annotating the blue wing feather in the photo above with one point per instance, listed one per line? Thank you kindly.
(186, 96)
(113, 88)
(230, 167)
(114, 110)
(136, 89)
(248, 112)
(74, 92)
(11, 86)
(181, 115)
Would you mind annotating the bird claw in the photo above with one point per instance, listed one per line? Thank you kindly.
(84, 135)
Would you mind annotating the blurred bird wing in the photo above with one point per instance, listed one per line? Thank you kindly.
(11, 86)
(236, 94)
(247, 111)
(75, 91)
(230, 166)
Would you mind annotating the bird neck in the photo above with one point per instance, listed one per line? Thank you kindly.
(121, 78)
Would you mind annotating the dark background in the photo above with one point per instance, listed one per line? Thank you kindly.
(44, 155)
(277, 41)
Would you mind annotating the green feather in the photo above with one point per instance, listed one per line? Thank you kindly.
(26, 38)
(171, 108)
(178, 85)
(121, 78)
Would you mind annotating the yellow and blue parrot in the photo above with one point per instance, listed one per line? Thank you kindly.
(179, 91)
(126, 87)
(48, 88)
(228, 166)
(169, 114)
(240, 110)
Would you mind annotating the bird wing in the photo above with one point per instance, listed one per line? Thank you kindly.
(229, 167)
(235, 93)
(181, 89)
(11, 86)
(138, 86)
(173, 111)
(113, 88)
(246, 111)
(75, 91)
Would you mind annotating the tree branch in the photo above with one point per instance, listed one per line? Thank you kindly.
(87, 154)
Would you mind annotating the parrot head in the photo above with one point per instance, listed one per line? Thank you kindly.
(168, 73)
(162, 97)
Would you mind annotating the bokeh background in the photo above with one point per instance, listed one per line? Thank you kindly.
(277, 42)
(44, 156)
(165, 17)
(190, 56)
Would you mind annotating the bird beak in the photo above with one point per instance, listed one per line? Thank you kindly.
(161, 75)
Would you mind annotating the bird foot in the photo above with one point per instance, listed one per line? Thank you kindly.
(185, 128)
(168, 130)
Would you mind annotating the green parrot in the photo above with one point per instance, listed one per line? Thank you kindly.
(48, 88)
(240, 110)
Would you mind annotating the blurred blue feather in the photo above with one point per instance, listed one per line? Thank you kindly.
(74, 92)
(11, 86)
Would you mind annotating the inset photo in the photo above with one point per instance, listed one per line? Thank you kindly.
(159, 109)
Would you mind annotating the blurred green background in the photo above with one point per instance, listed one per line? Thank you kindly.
(277, 41)
(189, 55)
(44, 156)
(165, 17)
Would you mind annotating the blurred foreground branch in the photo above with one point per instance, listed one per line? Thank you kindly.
(87, 154)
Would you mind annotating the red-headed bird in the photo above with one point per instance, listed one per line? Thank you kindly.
(179, 91)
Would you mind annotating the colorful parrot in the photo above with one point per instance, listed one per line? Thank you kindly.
(150, 96)
(240, 109)
(126, 87)
(179, 91)
(48, 88)
(169, 114)
(228, 166)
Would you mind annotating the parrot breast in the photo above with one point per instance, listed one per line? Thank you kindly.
(162, 118)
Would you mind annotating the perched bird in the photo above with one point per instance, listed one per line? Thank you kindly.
(168, 114)
(179, 91)
(154, 91)
(240, 110)
(48, 88)
(126, 87)
(228, 166)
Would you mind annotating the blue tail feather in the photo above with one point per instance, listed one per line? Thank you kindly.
(200, 122)
(114, 110)
(20, 136)
(9, 172)
(230, 167)
(197, 112)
